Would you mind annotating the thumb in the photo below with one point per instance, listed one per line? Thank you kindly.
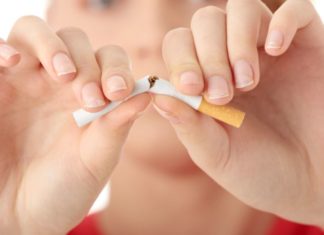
(69, 179)
(102, 142)
(206, 140)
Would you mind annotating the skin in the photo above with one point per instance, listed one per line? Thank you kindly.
(196, 171)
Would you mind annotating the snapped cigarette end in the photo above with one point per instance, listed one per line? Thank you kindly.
(224, 113)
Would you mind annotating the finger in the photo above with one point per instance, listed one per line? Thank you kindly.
(201, 135)
(209, 31)
(86, 86)
(110, 133)
(287, 21)
(245, 19)
(32, 35)
(179, 54)
(9, 56)
(81, 169)
(117, 80)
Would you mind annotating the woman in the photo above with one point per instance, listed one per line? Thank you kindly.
(184, 173)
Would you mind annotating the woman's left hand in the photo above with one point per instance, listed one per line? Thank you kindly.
(275, 65)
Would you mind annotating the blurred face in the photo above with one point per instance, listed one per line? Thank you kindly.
(139, 27)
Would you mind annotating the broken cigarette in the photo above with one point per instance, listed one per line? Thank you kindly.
(224, 113)
(153, 84)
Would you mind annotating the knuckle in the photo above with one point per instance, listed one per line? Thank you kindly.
(186, 64)
(206, 12)
(29, 23)
(237, 4)
(51, 44)
(112, 56)
(109, 70)
(38, 30)
(89, 72)
(245, 47)
(27, 20)
(75, 31)
(177, 32)
(111, 49)
(216, 65)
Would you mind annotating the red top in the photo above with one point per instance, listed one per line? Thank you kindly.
(281, 227)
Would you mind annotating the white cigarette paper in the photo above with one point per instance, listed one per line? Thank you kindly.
(83, 117)
(162, 87)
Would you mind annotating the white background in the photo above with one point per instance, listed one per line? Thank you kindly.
(11, 10)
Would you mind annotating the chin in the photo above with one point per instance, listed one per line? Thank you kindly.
(153, 143)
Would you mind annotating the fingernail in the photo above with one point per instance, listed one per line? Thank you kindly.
(243, 74)
(6, 51)
(190, 78)
(217, 88)
(116, 83)
(92, 96)
(275, 40)
(170, 117)
(63, 64)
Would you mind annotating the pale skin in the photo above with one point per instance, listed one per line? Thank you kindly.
(185, 167)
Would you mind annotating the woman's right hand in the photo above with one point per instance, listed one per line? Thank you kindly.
(51, 171)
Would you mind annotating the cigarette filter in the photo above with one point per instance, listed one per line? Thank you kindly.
(224, 113)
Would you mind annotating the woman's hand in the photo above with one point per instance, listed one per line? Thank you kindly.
(275, 161)
(50, 170)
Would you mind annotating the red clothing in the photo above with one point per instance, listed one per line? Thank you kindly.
(284, 227)
(281, 227)
(87, 227)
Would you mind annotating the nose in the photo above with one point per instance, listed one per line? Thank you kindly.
(149, 42)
